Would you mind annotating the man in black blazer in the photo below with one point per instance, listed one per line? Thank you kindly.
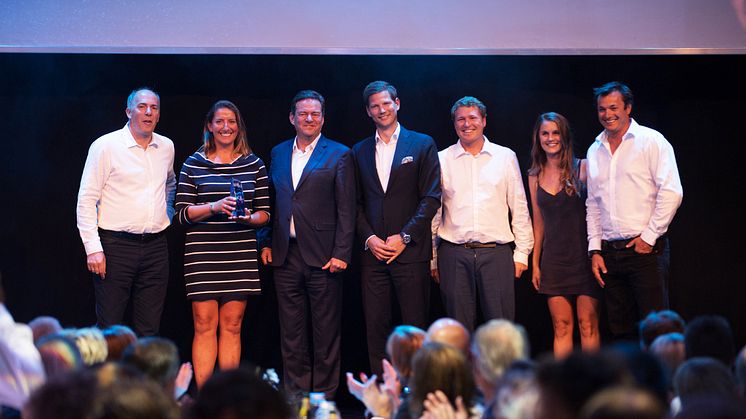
(398, 175)
(309, 244)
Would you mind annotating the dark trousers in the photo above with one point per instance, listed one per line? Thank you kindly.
(309, 366)
(487, 274)
(636, 284)
(136, 270)
(411, 283)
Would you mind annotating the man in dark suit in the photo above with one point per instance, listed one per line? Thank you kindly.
(309, 244)
(398, 194)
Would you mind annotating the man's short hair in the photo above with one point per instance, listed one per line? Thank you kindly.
(468, 102)
(156, 357)
(496, 345)
(131, 98)
(659, 323)
(615, 86)
(710, 336)
(377, 87)
(307, 94)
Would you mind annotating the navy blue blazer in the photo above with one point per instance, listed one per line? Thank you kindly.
(322, 205)
(411, 199)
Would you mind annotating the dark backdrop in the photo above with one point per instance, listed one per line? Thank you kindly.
(54, 106)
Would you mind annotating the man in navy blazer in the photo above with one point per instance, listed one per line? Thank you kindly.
(309, 244)
(398, 174)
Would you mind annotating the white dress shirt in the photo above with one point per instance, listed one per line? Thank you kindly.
(299, 160)
(635, 191)
(385, 156)
(126, 187)
(479, 193)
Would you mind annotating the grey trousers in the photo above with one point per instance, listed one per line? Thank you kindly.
(470, 274)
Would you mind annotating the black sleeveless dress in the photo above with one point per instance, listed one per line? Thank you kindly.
(565, 267)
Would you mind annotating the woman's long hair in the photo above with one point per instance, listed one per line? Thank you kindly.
(240, 144)
(439, 367)
(568, 173)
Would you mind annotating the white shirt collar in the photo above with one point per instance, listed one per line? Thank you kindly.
(487, 148)
(130, 139)
(632, 132)
(310, 147)
(394, 136)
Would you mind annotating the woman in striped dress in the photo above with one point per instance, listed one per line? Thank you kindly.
(220, 264)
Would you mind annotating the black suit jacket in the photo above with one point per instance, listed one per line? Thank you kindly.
(322, 205)
(411, 198)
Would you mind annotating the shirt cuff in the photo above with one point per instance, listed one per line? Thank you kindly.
(649, 237)
(594, 244)
(520, 258)
(366, 241)
(93, 247)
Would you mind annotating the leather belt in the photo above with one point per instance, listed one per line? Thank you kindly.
(143, 238)
(474, 245)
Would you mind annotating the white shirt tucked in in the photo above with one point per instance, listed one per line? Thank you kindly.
(299, 160)
(480, 195)
(126, 187)
(635, 191)
(385, 156)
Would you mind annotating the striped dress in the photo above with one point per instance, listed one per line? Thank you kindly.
(220, 255)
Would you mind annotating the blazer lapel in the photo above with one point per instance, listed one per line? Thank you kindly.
(369, 154)
(317, 156)
(403, 145)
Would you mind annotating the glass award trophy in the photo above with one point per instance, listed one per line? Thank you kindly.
(237, 192)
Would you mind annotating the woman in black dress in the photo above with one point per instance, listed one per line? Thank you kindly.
(561, 269)
(220, 263)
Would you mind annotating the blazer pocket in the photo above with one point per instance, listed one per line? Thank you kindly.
(325, 226)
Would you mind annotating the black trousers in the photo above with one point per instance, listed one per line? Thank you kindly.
(310, 357)
(411, 283)
(136, 270)
(636, 284)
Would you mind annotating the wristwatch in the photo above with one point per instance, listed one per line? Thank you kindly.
(593, 252)
(406, 238)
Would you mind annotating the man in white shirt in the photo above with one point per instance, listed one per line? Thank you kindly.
(484, 212)
(634, 191)
(125, 204)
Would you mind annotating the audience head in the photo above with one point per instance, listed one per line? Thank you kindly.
(646, 370)
(439, 366)
(118, 337)
(59, 354)
(90, 342)
(566, 385)
(497, 344)
(64, 396)
(128, 398)
(157, 358)
(713, 407)
(741, 371)
(44, 326)
(710, 336)
(401, 346)
(238, 393)
(516, 394)
(659, 323)
(449, 332)
(624, 402)
(669, 349)
(703, 376)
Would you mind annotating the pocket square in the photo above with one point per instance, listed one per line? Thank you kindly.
(408, 159)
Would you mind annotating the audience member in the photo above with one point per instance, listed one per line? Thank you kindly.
(118, 337)
(624, 402)
(710, 336)
(157, 358)
(21, 369)
(566, 385)
(669, 349)
(449, 332)
(646, 370)
(497, 344)
(741, 372)
(90, 342)
(59, 354)
(238, 393)
(44, 325)
(703, 376)
(64, 396)
(659, 323)
(713, 407)
(440, 374)
(516, 395)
